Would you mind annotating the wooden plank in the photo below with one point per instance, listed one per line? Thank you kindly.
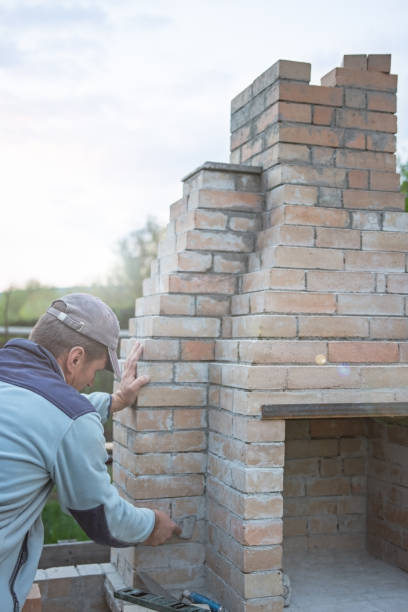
(73, 553)
(338, 411)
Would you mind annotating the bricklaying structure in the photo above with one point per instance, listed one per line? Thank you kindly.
(281, 280)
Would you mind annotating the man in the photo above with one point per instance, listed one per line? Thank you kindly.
(52, 434)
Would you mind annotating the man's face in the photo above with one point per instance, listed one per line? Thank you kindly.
(85, 375)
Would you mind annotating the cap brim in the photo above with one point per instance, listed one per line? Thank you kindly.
(114, 363)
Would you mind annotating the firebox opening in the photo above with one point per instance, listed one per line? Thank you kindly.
(346, 513)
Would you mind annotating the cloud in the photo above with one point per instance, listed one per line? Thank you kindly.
(50, 14)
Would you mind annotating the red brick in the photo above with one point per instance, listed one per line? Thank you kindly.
(302, 257)
(355, 62)
(285, 235)
(310, 215)
(273, 279)
(303, 449)
(385, 241)
(328, 486)
(363, 352)
(240, 304)
(385, 181)
(321, 377)
(230, 200)
(189, 418)
(191, 372)
(366, 160)
(313, 135)
(333, 327)
(385, 102)
(264, 326)
(379, 262)
(202, 240)
(349, 282)
(379, 63)
(257, 533)
(374, 304)
(169, 442)
(338, 238)
(395, 221)
(375, 200)
(197, 350)
(293, 302)
(187, 261)
(360, 78)
(177, 209)
(323, 156)
(313, 94)
(389, 328)
(397, 283)
(239, 136)
(274, 351)
(171, 396)
(358, 179)
(354, 139)
(381, 142)
(165, 305)
(148, 487)
(230, 263)
(323, 115)
(202, 283)
(292, 194)
(307, 175)
(288, 111)
(160, 350)
(356, 98)
(212, 306)
(364, 120)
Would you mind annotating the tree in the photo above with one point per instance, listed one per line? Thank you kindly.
(403, 168)
(136, 251)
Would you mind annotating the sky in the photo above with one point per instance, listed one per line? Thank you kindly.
(106, 104)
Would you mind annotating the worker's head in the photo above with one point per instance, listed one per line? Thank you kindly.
(82, 333)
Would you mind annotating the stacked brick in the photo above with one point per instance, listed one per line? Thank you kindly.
(325, 489)
(281, 280)
(160, 450)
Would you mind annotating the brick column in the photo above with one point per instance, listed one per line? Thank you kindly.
(160, 450)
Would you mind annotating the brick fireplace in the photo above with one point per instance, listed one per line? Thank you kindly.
(275, 334)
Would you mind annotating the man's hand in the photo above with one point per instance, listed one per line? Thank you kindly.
(130, 383)
(164, 529)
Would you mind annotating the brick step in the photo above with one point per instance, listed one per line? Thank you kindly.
(221, 199)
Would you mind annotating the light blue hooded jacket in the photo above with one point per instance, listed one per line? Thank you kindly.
(51, 434)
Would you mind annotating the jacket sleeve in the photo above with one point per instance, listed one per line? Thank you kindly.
(85, 491)
(101, 402)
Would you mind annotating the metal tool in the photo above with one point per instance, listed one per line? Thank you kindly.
(154, 602)
(197, 598)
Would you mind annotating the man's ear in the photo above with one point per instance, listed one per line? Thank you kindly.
(76, 357)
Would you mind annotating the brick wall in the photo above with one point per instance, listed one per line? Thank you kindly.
(325, 486)
(387, 535)
(282, 279)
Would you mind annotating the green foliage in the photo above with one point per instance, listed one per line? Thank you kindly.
(136, 252)
(60, 526)
(403, 169)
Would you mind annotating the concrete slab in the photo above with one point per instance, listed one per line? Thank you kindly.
(344, 581)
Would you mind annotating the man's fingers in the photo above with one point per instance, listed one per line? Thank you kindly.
(177, 530)
(139, 382)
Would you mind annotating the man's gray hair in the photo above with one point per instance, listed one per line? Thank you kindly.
(57, 338)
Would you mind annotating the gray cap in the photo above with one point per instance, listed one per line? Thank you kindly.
(89, 316)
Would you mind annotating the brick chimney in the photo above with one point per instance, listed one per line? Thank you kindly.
(279, 291)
